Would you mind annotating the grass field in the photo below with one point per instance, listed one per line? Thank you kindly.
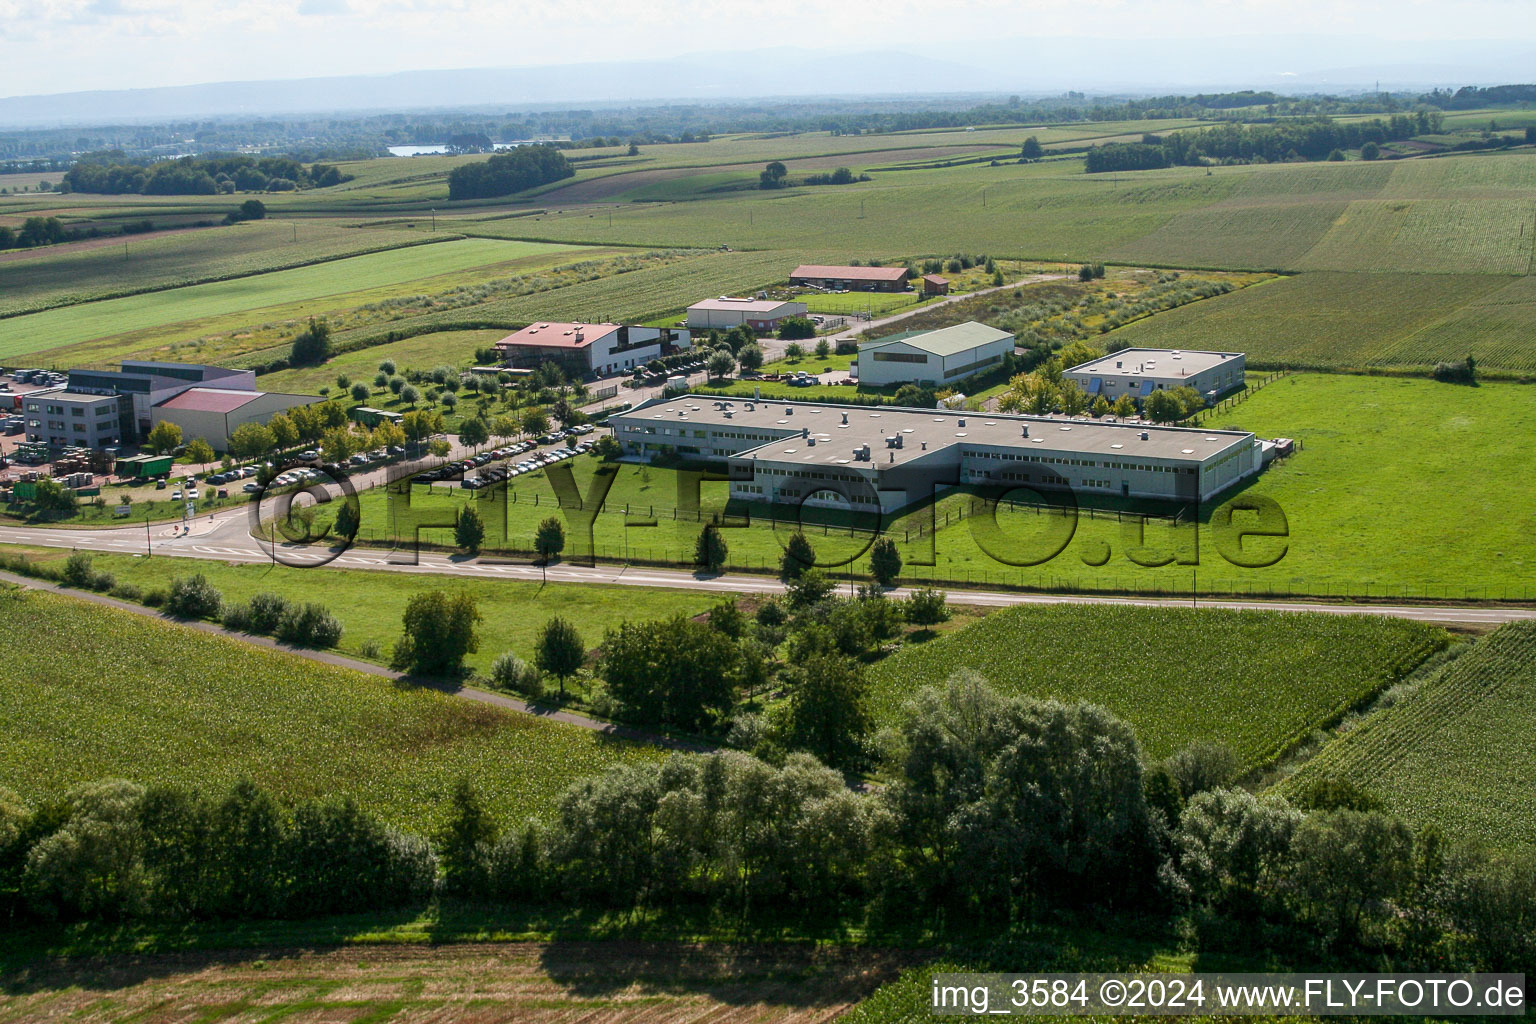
(370, 604)
(454, 348)
(62, 327)
(1255, 681)
(1454, 752)
(511, 982)
(58, 275)
(133, 698)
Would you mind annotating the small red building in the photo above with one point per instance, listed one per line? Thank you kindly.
(933, 284)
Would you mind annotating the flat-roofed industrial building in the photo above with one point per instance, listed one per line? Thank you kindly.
(885, 458)
(1140, 371)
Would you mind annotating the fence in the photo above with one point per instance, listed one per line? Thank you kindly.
(1233, 401)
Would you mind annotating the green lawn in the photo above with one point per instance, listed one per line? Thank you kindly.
(1256, 681)
(370, 603)
(1456, 752)
(75, 324)
(92, 693)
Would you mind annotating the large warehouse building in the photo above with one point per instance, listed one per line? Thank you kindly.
(213, 413)
(115, 408)
(725, 312)
(884, 459)
(855, 279)
(937, 357)
(583, 349)
(1140, 371)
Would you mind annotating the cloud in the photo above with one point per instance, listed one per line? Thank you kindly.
(316, 8)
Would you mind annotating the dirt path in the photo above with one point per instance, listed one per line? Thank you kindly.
(479, 983)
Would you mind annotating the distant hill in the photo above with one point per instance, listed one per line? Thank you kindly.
(1040, 66)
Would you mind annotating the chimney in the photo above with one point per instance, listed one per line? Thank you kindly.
(1026, 430)
(893, 456)
(925, 446)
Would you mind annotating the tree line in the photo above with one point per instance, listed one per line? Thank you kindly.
(112, 173)
(1303, 139)
(995, 812)
(505, 173)
(36, 231)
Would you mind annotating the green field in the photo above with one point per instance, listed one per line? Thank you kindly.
(92, 693)
(61, 327)
(1256, 681)
(423, 352)
(370, 603)
(87, 270)
(1456, 751)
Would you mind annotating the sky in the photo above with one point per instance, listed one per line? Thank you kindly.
(51, 46)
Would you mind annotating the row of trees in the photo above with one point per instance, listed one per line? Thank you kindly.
(36, 231)
(995, 810)
(112, 174)
(505, 173)
(114, 851)
(1302, 139)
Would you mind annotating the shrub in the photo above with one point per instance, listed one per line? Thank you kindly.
(926, 607)
(266, 611)
(309, 626)
(77, 571)
(155, 597)
(127, 592)
(1202, 766)
(509, 672)
(102, 581)
(193, 597)
(238, 617)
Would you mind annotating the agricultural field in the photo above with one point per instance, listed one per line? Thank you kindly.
(1338, 321)
(420, 980)
(1454, 752)
(64, 327)
(154, 702)
(1495, 328)
(78, 271)
(1258, 682)
(370, 603)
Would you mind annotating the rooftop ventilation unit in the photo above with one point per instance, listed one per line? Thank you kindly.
(893, 456)
(1026, 430)
(728, 414)
(961, 423)
(789, 410)
(1143, 435)
(845, 419)
(805, 431)
(810, 442)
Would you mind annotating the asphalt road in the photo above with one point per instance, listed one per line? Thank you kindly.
(225, 537)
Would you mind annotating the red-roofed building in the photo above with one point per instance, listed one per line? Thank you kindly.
(598, 349)
(933, 284)
(857, 279)
(213, 413)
